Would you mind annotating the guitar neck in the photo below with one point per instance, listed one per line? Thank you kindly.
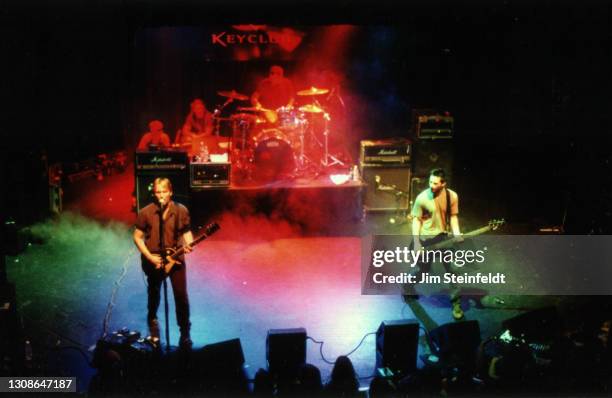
(449, 242)
(477, 232)
(181, 250)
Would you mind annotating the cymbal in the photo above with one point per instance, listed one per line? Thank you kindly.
(313, 91)
(253, 109)
(233, 95)
(310, 108)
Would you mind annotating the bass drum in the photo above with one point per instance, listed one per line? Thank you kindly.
(272, 155)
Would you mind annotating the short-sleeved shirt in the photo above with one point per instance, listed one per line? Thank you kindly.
(195, 125)
(432, 211)
(273, 95)
(177, 223)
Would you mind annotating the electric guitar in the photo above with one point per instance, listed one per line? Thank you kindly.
(439, 242)
(171, 256)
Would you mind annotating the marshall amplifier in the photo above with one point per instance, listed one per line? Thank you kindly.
(161, 160)
(209, 175)
(150, 165)
(385, 164)
(437, 126)
(394, 151)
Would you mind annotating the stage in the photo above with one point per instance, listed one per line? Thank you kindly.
(503, 98)
(261, 271)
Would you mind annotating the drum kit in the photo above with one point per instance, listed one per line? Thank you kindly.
(271, 144)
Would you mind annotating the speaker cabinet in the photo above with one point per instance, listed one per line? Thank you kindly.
(417, 185)
(172, 165)
(385, 198)
(180, 186)
(223, 355)
(456, 342)
(26, 172)
(397, 346)
(286, 350)
(428, 155)
(542, 324)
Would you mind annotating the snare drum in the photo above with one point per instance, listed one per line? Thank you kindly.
(289, 118)
(272, 155)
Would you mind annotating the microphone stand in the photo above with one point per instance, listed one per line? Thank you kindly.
(162, 249)
(217, 112)
(217, 121)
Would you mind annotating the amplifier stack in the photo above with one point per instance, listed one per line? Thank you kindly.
(386, 170)
(170, 164)
(433, 148)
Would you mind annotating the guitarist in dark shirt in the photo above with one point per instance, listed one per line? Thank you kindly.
(434, 211)
(177, 232)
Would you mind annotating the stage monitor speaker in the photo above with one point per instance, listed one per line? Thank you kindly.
(428, 155)
(456, 342)
(397, 346)
(539, 325)
(286, 350)
(225, 355)
(385, 199)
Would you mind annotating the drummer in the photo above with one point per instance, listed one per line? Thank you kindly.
(273, 92)
(199, 122)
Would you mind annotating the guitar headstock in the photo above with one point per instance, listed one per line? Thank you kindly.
(211, 228)
(494, 224)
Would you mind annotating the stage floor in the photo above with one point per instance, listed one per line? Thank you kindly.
(259, 272)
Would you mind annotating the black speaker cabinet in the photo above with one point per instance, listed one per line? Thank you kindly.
(180, 186)
(397, 344)
(417, 185)
(385, 198)
(225, 355)
(151, 165)
(286, 350)
(428, 155)
(26, 173)
(542, 324)
(456, 342)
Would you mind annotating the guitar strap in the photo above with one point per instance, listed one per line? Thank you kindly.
(448, 210)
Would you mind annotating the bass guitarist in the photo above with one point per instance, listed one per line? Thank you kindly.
(176, 231)
(434, 212)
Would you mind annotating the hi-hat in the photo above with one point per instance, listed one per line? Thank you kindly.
(233, 95)
(313, 91)
(310, 108)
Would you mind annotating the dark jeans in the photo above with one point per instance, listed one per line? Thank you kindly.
(425, 267)
(178, 279)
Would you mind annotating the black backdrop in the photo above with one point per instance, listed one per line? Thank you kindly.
(76, 80)
(532, 80)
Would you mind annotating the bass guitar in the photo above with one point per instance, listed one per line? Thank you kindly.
(441, 241)
(172, 256)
